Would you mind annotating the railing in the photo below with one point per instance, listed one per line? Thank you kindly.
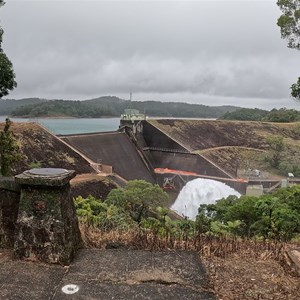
(167, 150)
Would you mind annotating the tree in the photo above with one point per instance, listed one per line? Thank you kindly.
(276, 148)
(9, 150)
(282, 115)
(139, 198)
(7, 75)
(289, 23)
(296, 89)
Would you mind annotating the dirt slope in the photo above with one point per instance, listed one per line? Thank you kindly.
(203, 134)
(41, 149)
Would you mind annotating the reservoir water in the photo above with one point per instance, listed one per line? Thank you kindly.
(73, 126)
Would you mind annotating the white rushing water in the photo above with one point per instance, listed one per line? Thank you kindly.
(200, 191)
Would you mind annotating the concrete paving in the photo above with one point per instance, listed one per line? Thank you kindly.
(108, 274)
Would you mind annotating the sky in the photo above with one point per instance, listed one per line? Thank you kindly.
(204, 52)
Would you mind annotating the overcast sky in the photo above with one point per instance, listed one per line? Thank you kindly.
(206, 52)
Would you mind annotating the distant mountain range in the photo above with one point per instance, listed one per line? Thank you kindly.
(107, 106)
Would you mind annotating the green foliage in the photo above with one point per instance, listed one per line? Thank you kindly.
(101, 215)
(296, 90)
(139, 198)
(9, 150)
(275, 216)
(35, 164)
(124, 208)
(276, 147)
(289, 22)
(282, 115)
(7, 75)
(246, 114)
(288, 166)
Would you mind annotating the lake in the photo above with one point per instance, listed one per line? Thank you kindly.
(73, 126)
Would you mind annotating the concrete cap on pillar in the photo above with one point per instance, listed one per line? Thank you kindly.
(45, 177)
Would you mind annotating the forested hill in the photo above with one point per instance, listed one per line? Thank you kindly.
(282, 115)
(108, 106)
(8, 105)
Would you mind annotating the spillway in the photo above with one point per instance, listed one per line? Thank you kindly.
(115, 149)
(200, 191)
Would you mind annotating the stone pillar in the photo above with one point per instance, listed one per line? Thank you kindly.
(9, 204)
(47, 226)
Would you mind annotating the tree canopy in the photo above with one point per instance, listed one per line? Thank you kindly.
(9, 150)
(7, 75)
(281, 115)
(289, 23)
(296, 89)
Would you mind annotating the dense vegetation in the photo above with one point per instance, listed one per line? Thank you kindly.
(9, 150)
(139, 207)
(107, 106)
(7, 106)
(7, 75)
(275, 115)
(275, 216)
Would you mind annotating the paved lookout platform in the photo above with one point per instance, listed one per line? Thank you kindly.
(108, 274)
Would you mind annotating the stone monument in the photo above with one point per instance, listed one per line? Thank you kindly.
(47, 226)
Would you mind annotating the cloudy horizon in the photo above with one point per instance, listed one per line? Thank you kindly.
(203, 52)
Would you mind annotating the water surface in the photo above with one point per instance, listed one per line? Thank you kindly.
(73, 126)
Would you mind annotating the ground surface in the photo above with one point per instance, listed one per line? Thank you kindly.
(247, 277)
(91, 184)
(135, 274)
(109, 274)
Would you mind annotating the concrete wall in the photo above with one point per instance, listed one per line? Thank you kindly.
(114, 149)
(185, 162)
(155, 138)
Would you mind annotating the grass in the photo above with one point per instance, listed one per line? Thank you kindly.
(207, 245)
(237, 269)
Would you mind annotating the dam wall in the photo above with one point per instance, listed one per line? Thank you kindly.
(114, 149)
(165, 152)
(185, 162)
(156, 138)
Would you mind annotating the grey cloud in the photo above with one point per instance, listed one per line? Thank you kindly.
(185, 51)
